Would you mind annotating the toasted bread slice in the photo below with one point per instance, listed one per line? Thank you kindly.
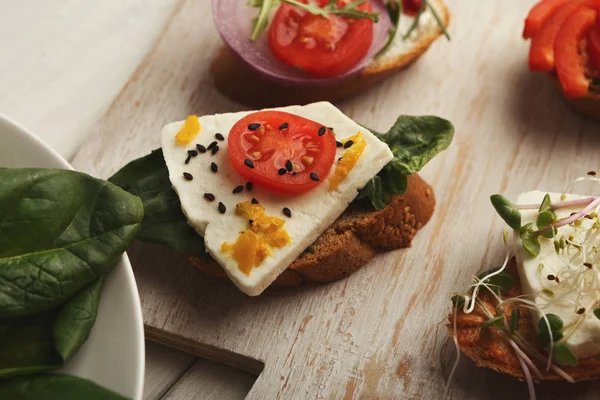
(492, 350)
(588, 105)
(354, 238)
(239, 82)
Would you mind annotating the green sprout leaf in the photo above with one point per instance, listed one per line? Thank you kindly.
(561, 354)
(530, 240)
(556, 325)
(503, 281)
(507, 211)
(545, 219)
(514, 319)
(546, 204)
(597, 313)
(458, 301)
(497, 322)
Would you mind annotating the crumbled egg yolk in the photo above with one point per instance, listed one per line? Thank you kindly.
(348, 160)
(188, 132)
(253, 245)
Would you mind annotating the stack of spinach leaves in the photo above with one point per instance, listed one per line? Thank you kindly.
(60, 233)
(414, 141)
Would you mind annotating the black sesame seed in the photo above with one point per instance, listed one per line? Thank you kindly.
(193, 153)
(551, 277)
(209, 196)
(222, 208)
(284, 125)
(309, 249)
(294, 173)
(587, 264)
(218, 136)
(592, 173)
(213, 167)
(188, 158)
(314, 176)
(249, 163)
(289, 166)
(188, 176)
(215, 149)
(281, 171)
(338, 144)
(254, 201)
(330, 128)
(249, 186)
(254, 126)
(201, 148)
(340, 159)
(210, 146)
(581, 310)
(287, 212)
(348, 144)
(238, 189)
(322, 131)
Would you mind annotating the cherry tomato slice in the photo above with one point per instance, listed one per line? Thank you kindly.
(323, 47)
(593, 47)
(281, 152)
(538, 15)
(569, 68)
(411, 7)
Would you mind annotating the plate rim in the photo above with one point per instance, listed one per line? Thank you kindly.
(139, 322)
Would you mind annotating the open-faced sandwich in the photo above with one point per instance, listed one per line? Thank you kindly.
(565, 44)
(537, 317)
(293, 194)
(300, 51)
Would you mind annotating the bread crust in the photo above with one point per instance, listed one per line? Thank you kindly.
(354, 238)
(493, 351)
(236, 80)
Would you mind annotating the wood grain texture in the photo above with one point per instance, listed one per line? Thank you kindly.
(209, 380)
(379, 333)
(164, 367)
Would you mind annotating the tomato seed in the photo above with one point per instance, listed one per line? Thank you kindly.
(307, 160)
(253, 138)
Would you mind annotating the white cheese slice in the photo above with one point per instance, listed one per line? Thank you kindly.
(564, 298)
(312, 212)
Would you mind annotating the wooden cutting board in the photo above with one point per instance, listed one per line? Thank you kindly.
(379, 333)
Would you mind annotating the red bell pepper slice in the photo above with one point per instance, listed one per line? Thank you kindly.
(593, 47)
(571, 72)
(541, 52)
(538, 14)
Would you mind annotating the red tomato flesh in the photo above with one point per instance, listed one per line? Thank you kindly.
(265, 144)
(593, 47)
(323, 47)
(538, 15)
(411, 7)
(571, 72)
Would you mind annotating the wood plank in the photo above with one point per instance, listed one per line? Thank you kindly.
(164, 367)
(377, 333)
(211, 381)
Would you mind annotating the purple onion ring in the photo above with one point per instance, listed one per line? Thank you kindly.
(233, 19)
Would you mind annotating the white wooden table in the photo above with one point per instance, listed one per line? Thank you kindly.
(61, 66)
(60, 73)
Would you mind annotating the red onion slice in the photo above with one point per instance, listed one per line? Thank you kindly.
(233, 19)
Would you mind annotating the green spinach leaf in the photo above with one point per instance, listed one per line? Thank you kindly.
(45, 341)
(507, 211)
(164, 222)
(414, 142)
(76, 320)
(27, 346)
(54, 387)
(60, 231)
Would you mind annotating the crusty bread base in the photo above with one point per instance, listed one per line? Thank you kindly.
(236, 80)
(493, 350)
(354, 238)
(588, 105)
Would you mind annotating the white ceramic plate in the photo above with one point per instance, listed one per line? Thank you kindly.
(113, 356)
